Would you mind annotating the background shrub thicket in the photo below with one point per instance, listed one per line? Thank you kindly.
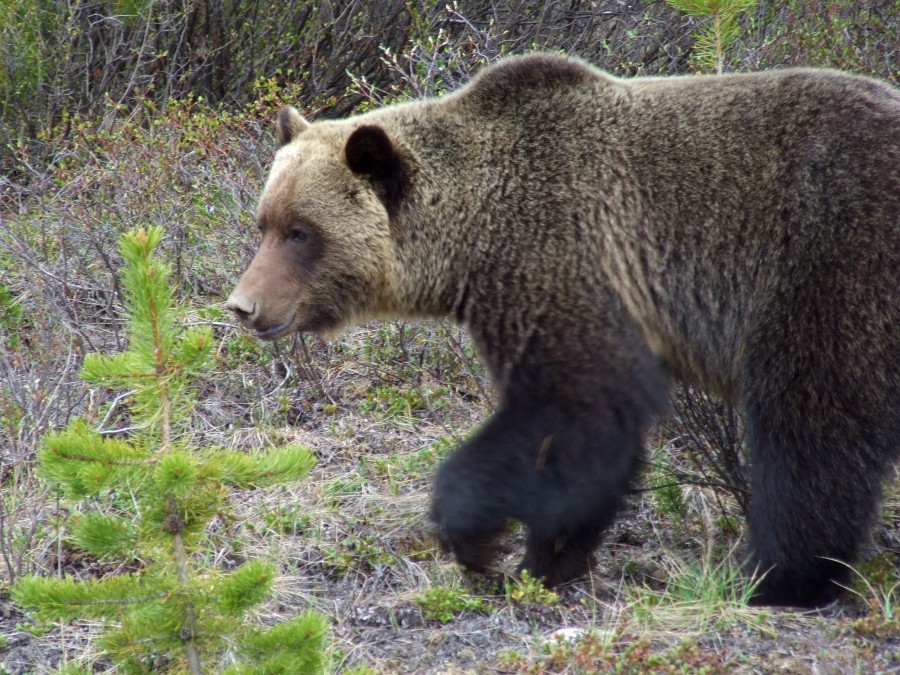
(104, 59)
(117, 113)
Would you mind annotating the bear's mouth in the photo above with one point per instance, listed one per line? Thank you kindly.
(274, 331)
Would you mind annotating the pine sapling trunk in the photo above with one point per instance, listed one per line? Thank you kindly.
(720, 46)
(175, 526)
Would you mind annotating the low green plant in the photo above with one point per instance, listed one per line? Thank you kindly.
(526, 590)
(621, 652)
(176, 610)
(361, 670)
(843, 34)
(393, 403)
(411, 467)
(512, 661)
(357, 554)
(287, 520)
(342, 488)
(11, 316)
(666, 494)
(445, 603)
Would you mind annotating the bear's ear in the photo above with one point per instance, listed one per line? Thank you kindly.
(370, 152)
(289, 124)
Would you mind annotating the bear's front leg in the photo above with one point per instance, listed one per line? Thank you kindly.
(568, 553)
(559, 472)
(477, 490)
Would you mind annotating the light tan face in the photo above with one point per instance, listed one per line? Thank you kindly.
(325, 251)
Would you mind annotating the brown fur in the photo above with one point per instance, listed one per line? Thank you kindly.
(596, 234)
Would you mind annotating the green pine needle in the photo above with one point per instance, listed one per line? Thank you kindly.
(295, 646)
(720, 29)
(246, 587)
(55, 599)
(84, 463)
(187, 514)
(274, 466)
(712, 7)
(176, 473)
(194, 351)
(162, 356)
(146, 629)
(179, 612)
(103, 536)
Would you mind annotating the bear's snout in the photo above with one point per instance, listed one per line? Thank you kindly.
(248, 312)
(243, 306)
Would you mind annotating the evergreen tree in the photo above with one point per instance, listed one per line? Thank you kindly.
(176, 614)
(717, 32)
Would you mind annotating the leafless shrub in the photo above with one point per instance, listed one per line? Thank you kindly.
(40, 392)
(707, 437)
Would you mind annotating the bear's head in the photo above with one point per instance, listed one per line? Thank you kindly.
(326, 255)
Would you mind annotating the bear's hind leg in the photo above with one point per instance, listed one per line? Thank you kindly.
(821, 444)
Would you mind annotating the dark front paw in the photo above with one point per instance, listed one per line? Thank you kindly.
(474, 549)
(556, 559)
(468, 517)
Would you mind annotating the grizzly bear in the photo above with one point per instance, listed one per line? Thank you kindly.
(598, 236)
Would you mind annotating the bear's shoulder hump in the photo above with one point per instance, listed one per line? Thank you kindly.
(537, 71)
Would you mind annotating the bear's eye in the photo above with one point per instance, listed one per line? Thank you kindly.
(298, 234)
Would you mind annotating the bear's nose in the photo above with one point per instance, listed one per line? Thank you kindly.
(243, 306)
